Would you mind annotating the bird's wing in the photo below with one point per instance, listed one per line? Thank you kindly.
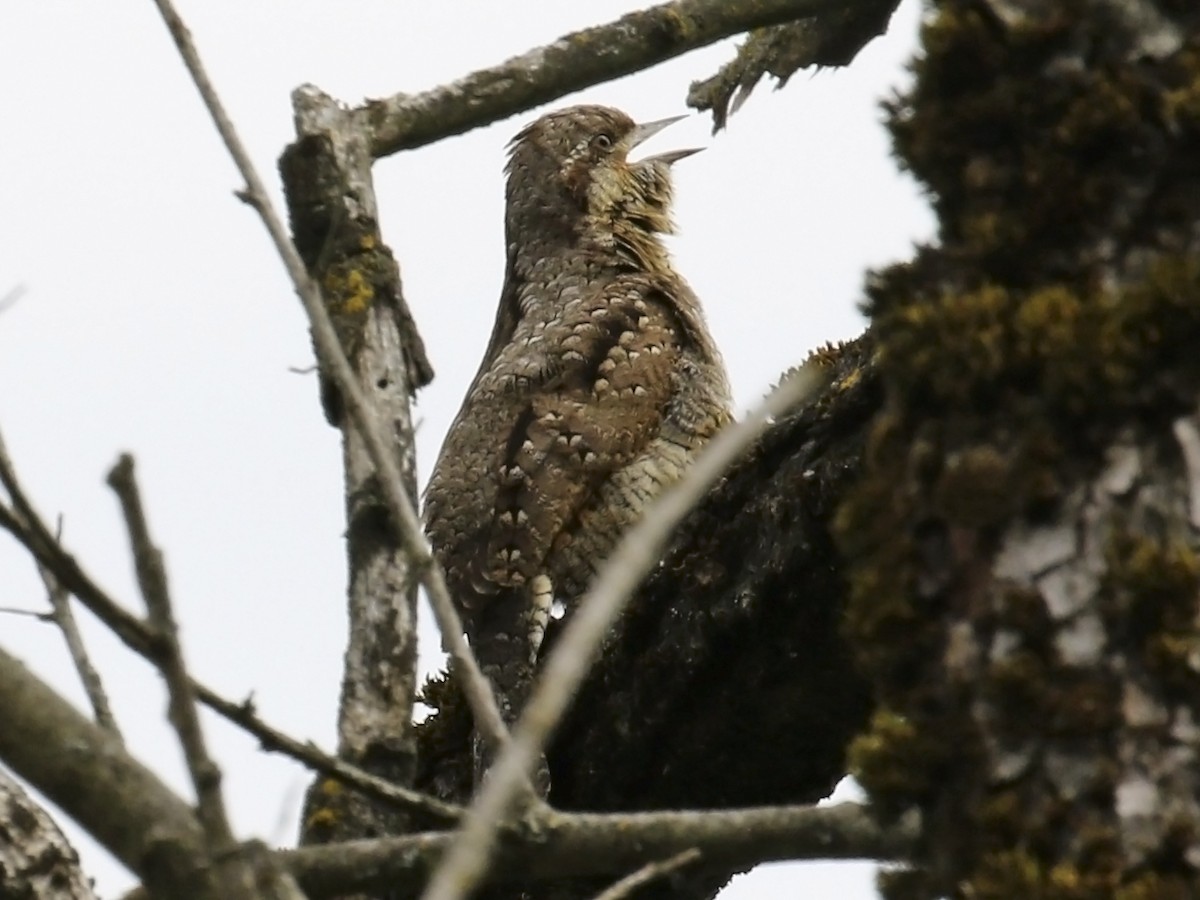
(612, 364)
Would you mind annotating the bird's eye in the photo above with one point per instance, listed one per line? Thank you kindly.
(603, 141)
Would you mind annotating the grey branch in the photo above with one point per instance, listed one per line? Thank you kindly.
(588, 844)
(84, 770)
(575, 61)
(182, 712)
(27, 526)
(373, 786)
(64, 618)
(571, 657)
(156, 834)
(647, 873)
(23, 517)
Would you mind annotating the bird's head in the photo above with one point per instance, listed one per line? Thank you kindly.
(571, 183)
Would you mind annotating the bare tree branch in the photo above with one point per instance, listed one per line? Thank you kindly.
(337, 366)
(84, 770)
(403, 798)
(647, 873)
(588, 844)
(155, 833)
(830, 40)
(571, 657)
(206, 776)
(64, 618)
(575, 61)
(33, 614)
(31, 531)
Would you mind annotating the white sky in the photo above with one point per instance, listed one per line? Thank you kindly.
(158, 320)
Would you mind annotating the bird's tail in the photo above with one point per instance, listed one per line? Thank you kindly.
(503, 645)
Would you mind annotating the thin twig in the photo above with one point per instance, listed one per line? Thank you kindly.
(24, 518)
(308, 753)
(575, 61)
(338, 368)
(64, 618)
(31, 613)
(572, 656)
(182, 711)
(647, 873)
(30, 530)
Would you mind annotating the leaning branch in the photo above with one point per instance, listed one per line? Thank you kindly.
(272, 740)
(85, 771)
(575, 61)
(64, 617)
(337, 366)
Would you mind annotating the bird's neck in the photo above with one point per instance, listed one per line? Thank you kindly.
(619, 246)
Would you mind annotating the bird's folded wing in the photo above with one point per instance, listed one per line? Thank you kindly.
(600, 408)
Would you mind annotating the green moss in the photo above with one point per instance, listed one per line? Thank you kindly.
(906, 884)
(1152, 886)
(1057, 311)
(1150, 593)
(324, 816)
(896, 760)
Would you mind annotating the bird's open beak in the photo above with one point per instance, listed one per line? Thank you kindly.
(647, 130)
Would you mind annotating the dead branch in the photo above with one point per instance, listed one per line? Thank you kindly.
(33, 533)
(575, 61)
(64, 618)
(86, 772)
(648, 873)
(237, 879)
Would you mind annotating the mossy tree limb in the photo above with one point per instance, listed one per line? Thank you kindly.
(1025, 590)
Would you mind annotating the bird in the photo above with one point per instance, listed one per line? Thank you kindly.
(600, 384)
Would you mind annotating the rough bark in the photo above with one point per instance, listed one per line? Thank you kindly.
(336, 230)
(85, 769)
(1023, 543)
(36, 862)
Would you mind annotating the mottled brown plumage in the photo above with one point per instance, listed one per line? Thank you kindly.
(598, 387)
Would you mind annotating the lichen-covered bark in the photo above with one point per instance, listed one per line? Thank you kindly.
(1025, 586)
(336, 230)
